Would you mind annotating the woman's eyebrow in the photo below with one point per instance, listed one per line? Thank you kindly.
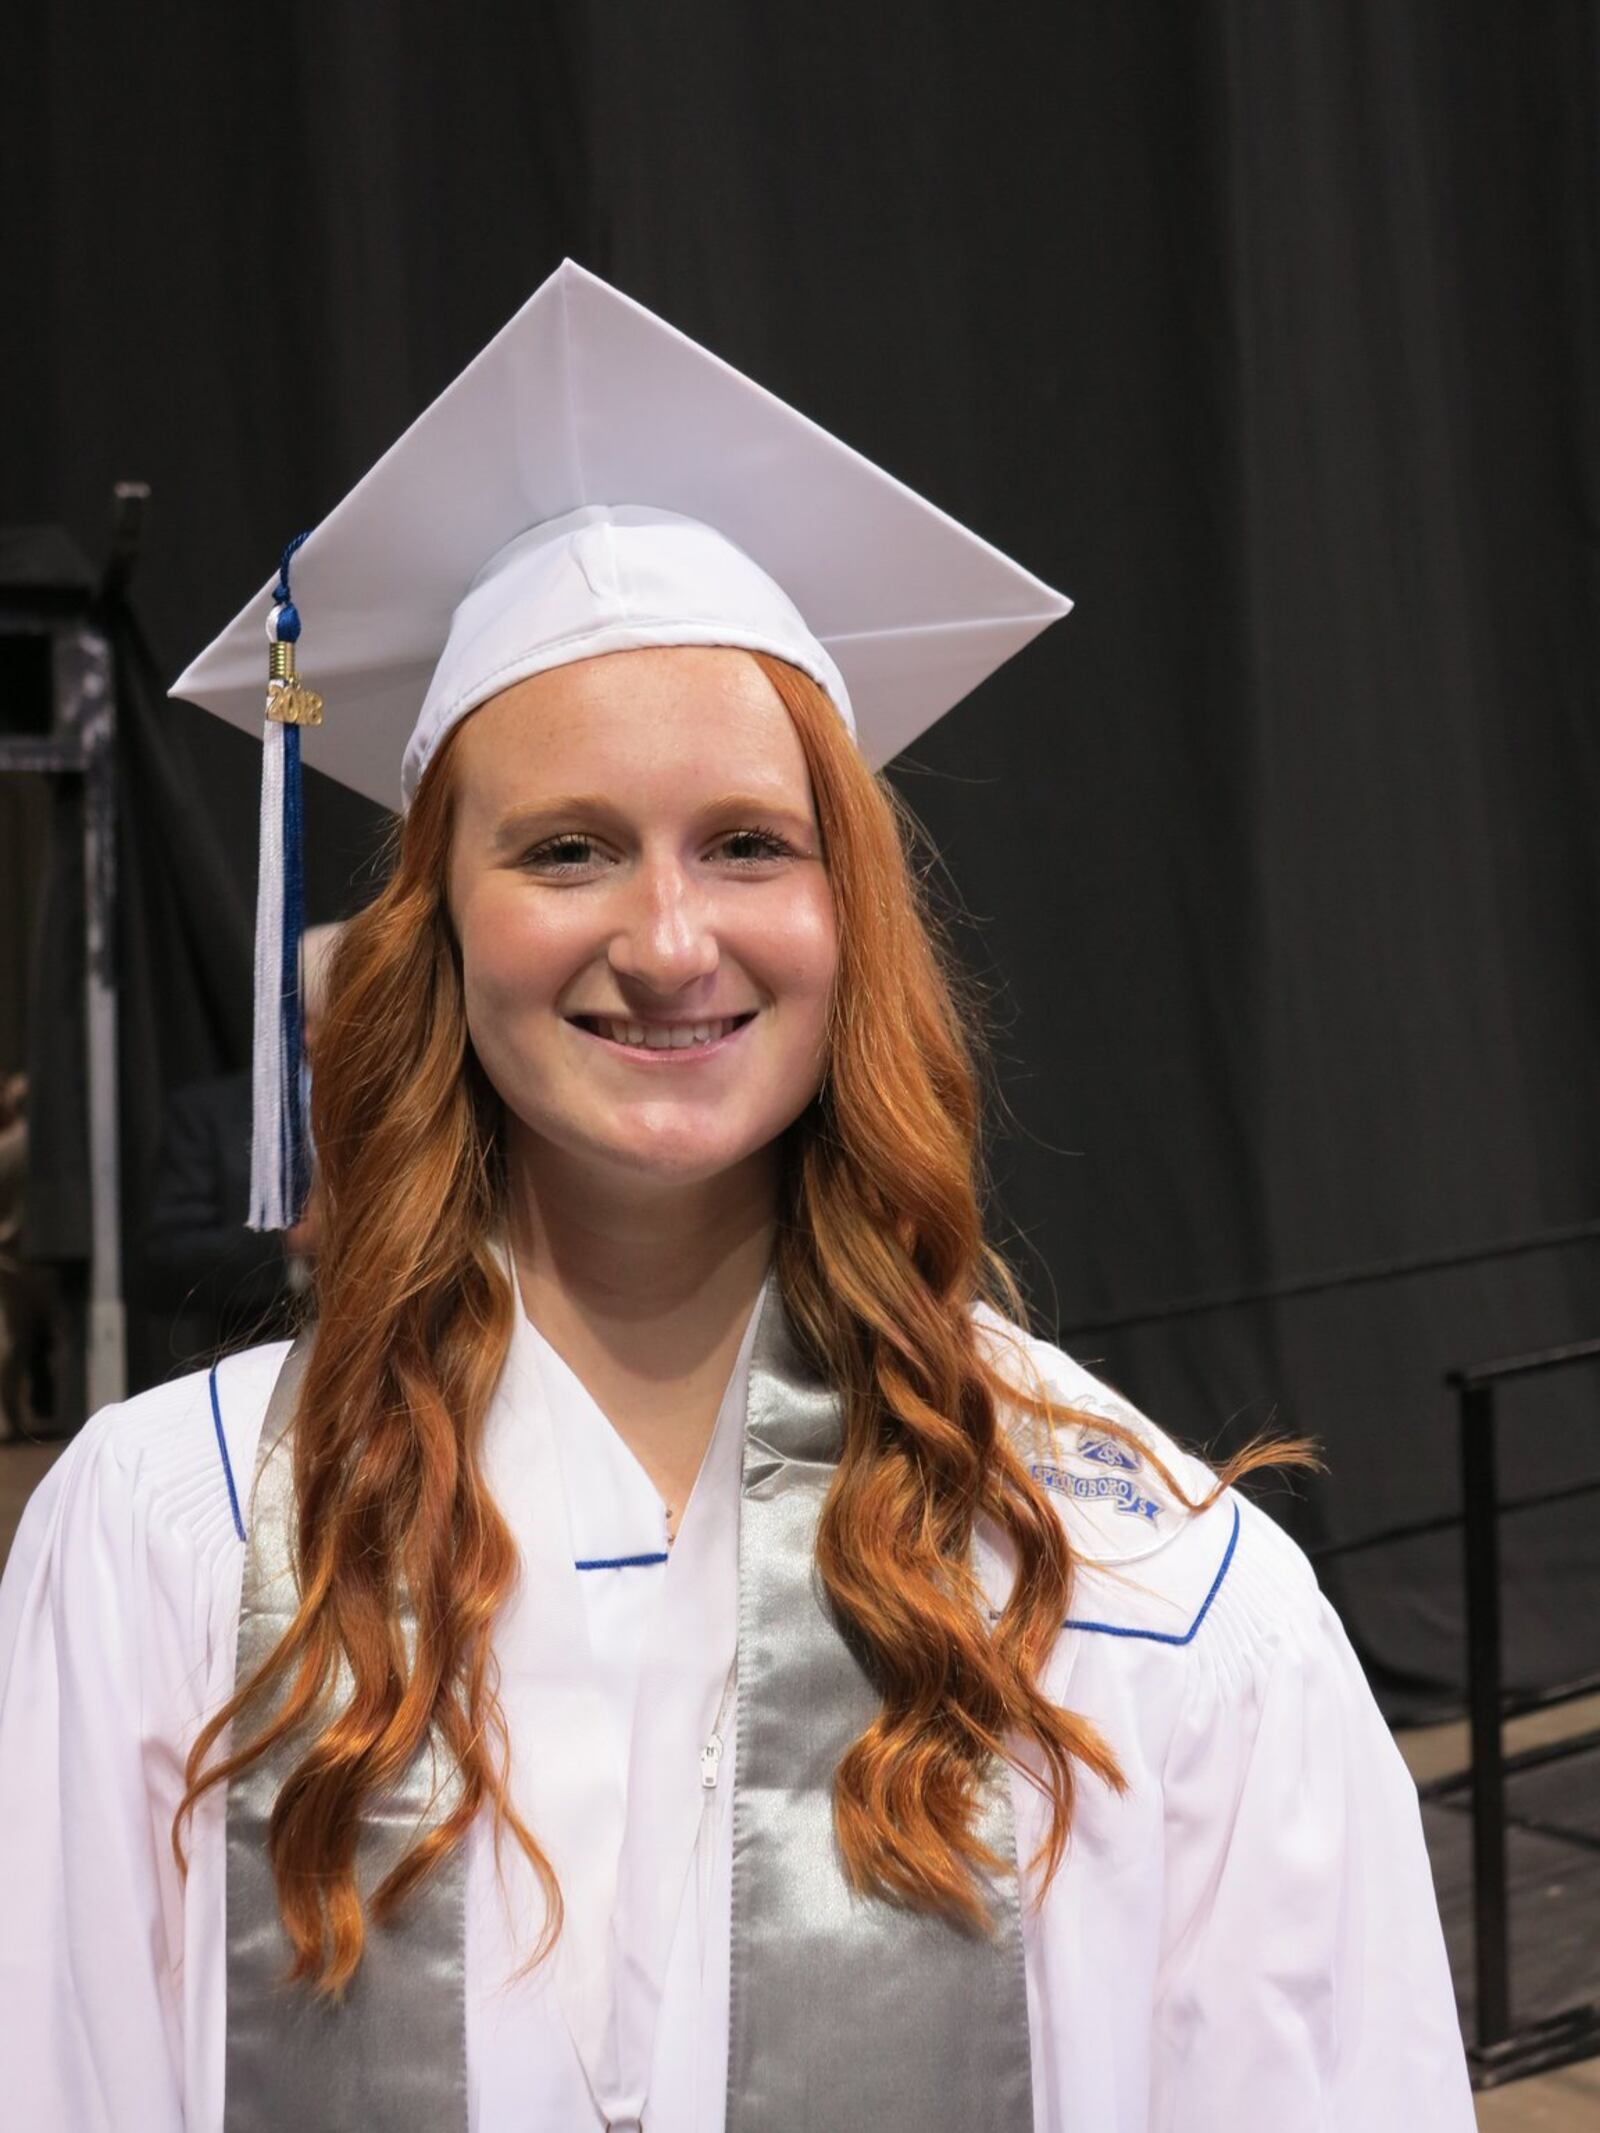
(524, 822)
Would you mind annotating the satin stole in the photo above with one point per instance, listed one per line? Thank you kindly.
(846, 2010)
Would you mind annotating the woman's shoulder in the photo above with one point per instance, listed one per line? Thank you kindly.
(119, 1603)
(174, 1462)
(1163, 1558)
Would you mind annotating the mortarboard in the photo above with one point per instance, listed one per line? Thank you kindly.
(592, 480)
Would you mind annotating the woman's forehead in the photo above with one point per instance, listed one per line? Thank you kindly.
(676, 725)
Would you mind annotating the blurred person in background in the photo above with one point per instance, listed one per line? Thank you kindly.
(224, 1282)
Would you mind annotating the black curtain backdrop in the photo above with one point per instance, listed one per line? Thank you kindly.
(1268, 331)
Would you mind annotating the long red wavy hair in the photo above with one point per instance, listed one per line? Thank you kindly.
(881, 1258)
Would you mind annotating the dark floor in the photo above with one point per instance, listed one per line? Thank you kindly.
(1553, 1880)
(1554, 1883)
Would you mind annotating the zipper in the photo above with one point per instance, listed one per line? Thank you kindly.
(711, 1762)
(710, 1813)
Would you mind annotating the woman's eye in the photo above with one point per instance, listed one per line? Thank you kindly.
(570, 851)
(767, 844)
(559, 852)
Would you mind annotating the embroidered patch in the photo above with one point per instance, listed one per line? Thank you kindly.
(1115, 1489)
(1107, 1452)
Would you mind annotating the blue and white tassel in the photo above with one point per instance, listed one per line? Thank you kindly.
(280, 1166)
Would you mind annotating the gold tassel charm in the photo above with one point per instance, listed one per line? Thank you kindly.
(288, 700)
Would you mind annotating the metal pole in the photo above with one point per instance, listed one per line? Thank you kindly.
(86, 678)
(1481, 1531)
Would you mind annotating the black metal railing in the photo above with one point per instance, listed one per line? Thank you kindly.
(1501, 2050)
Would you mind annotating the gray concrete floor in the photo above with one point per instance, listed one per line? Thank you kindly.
(1437, 1751)
(1564, 2102)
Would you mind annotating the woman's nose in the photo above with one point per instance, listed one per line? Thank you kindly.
(666, 937)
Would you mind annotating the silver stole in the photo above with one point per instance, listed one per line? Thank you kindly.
(846, 2011)
(393, 2053)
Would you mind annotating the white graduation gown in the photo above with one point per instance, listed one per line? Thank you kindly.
(1246, 1940)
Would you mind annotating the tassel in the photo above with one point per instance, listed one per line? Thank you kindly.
(280, 1166)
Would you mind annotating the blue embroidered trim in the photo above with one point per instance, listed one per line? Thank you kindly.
(227, 1463)
(1169, 1636)
(598, 1562)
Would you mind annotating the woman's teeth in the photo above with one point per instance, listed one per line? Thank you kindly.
(674, 1037)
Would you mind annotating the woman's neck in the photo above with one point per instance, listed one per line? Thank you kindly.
(630, 1280)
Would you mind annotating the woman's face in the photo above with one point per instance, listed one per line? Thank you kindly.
(635, 858)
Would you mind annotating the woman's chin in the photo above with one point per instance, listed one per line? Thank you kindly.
(658, 1153)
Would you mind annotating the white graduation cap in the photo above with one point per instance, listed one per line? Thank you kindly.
(592, 481)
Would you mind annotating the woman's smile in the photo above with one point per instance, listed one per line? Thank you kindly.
(654, 1044)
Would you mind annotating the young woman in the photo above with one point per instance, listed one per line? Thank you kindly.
(666, 1648)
